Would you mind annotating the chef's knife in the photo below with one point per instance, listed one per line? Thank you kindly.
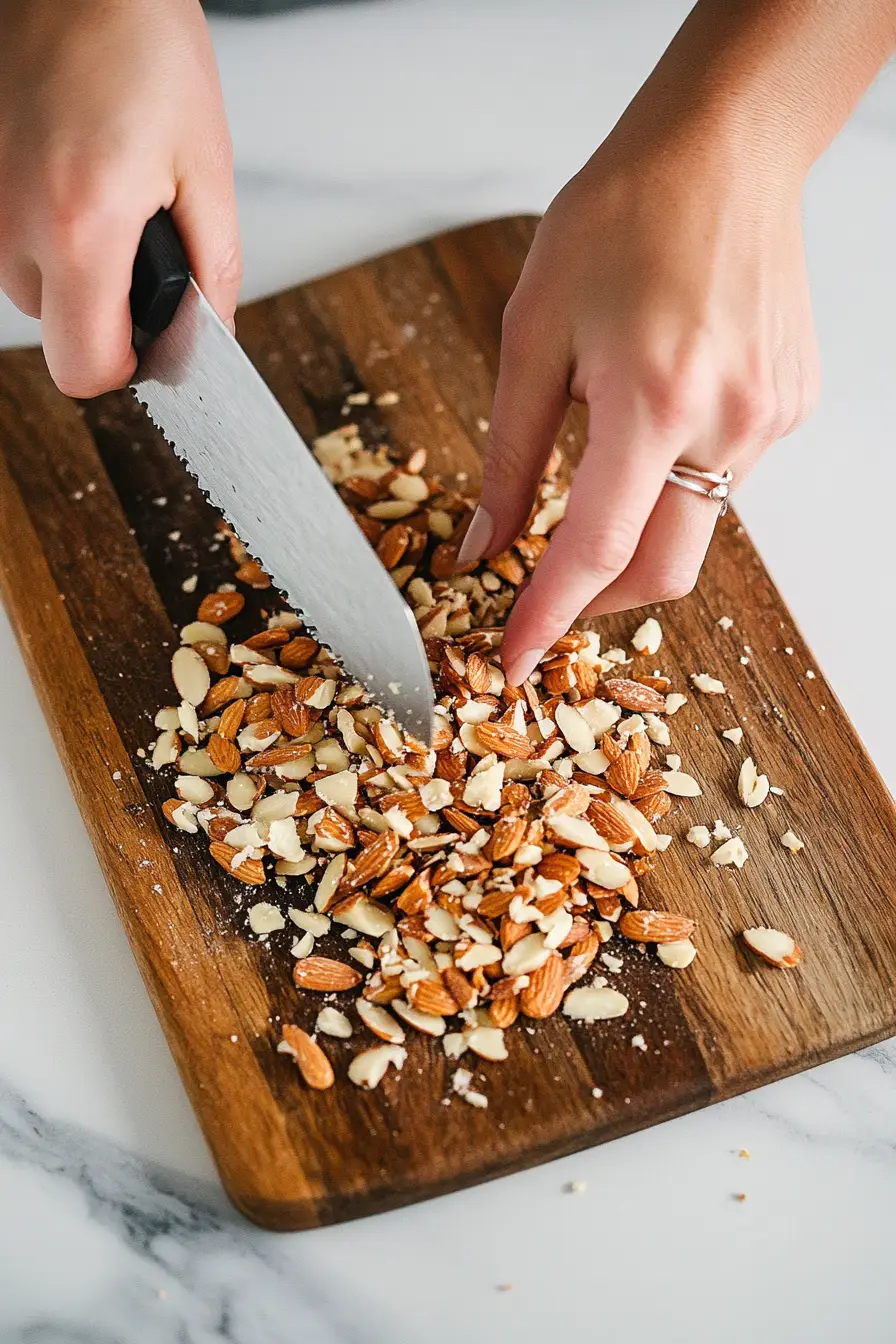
(225, 424)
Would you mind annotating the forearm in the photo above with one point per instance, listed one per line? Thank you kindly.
(778, 77)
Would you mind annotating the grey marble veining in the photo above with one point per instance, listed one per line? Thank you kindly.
(357, 128)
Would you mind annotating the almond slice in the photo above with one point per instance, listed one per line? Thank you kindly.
(773, 946)
(380, 1022)
(368, 1069)
(594, 1004)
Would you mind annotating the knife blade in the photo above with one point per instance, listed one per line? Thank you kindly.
(225, 424)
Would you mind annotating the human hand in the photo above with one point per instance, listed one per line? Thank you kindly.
(107, 112)
(666, 290)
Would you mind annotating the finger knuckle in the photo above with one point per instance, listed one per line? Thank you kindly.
(86, 383)
(228, 267)
(753, 411)
(505, 459)
(610, 550)
(675, 390)
(673, 586)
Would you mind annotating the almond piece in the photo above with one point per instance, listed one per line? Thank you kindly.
(374, 861)
(250, 871)
(559, 867)
(218, 608)
(594, 1004)
(190, 674)
(609, 823)
(223, 753)
(324, 974)
(773, 946)
(381, 1023)
(634, 695)
(546, 987)
(431, 996)
(299, 652)
(369, 1068)
(504, 1012)
(311, 1061)
(624, 775)
(506, 838)
(504, 741)
(655, 926)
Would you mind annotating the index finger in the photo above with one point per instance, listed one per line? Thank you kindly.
(613, 494)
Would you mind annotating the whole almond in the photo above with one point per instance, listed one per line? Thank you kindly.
(223, 753)
(292, 716)
(506, 838)
(324, 974)
(311, 1061)
(560, 867)
(299, 652)
(504, 1012)
(634, 695)
(219, 695)
(393, 880)
(267, 639)
(504, 741)
(258, 708)
(545, 990)
(655, 926)
(609, 823)
(623, 775)
(278, 754)
(218, 608)
(231, 723)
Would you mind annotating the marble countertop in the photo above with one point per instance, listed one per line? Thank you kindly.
(358, 128)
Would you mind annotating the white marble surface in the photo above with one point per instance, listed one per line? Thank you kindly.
(356, 129)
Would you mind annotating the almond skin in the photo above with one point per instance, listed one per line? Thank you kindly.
(623, 775)
(373, 862)
(324, 974)
(223, 753)
(634, 695)
(655, 926)
(431, 996)
(311, 1061)
(506, 838)
(546, 987)
(250, 871)
(218, 608)
(560, 867)
(609, 823)
(504, 1012)
(504, 741)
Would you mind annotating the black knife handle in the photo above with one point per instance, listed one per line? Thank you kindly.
(161, 274)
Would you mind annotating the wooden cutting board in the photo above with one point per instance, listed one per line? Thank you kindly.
(89, 498)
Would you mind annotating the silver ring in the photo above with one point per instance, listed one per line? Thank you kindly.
(707, 483)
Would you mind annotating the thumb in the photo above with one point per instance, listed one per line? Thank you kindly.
(530, 401)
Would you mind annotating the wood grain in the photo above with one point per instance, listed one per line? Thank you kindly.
(89, 498)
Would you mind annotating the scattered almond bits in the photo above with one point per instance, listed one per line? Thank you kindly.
(445, 892)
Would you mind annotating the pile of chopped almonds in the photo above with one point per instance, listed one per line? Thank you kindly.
(471, 883)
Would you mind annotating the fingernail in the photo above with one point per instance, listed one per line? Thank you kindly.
(230, 324)
(479, 534)
(520, 667)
